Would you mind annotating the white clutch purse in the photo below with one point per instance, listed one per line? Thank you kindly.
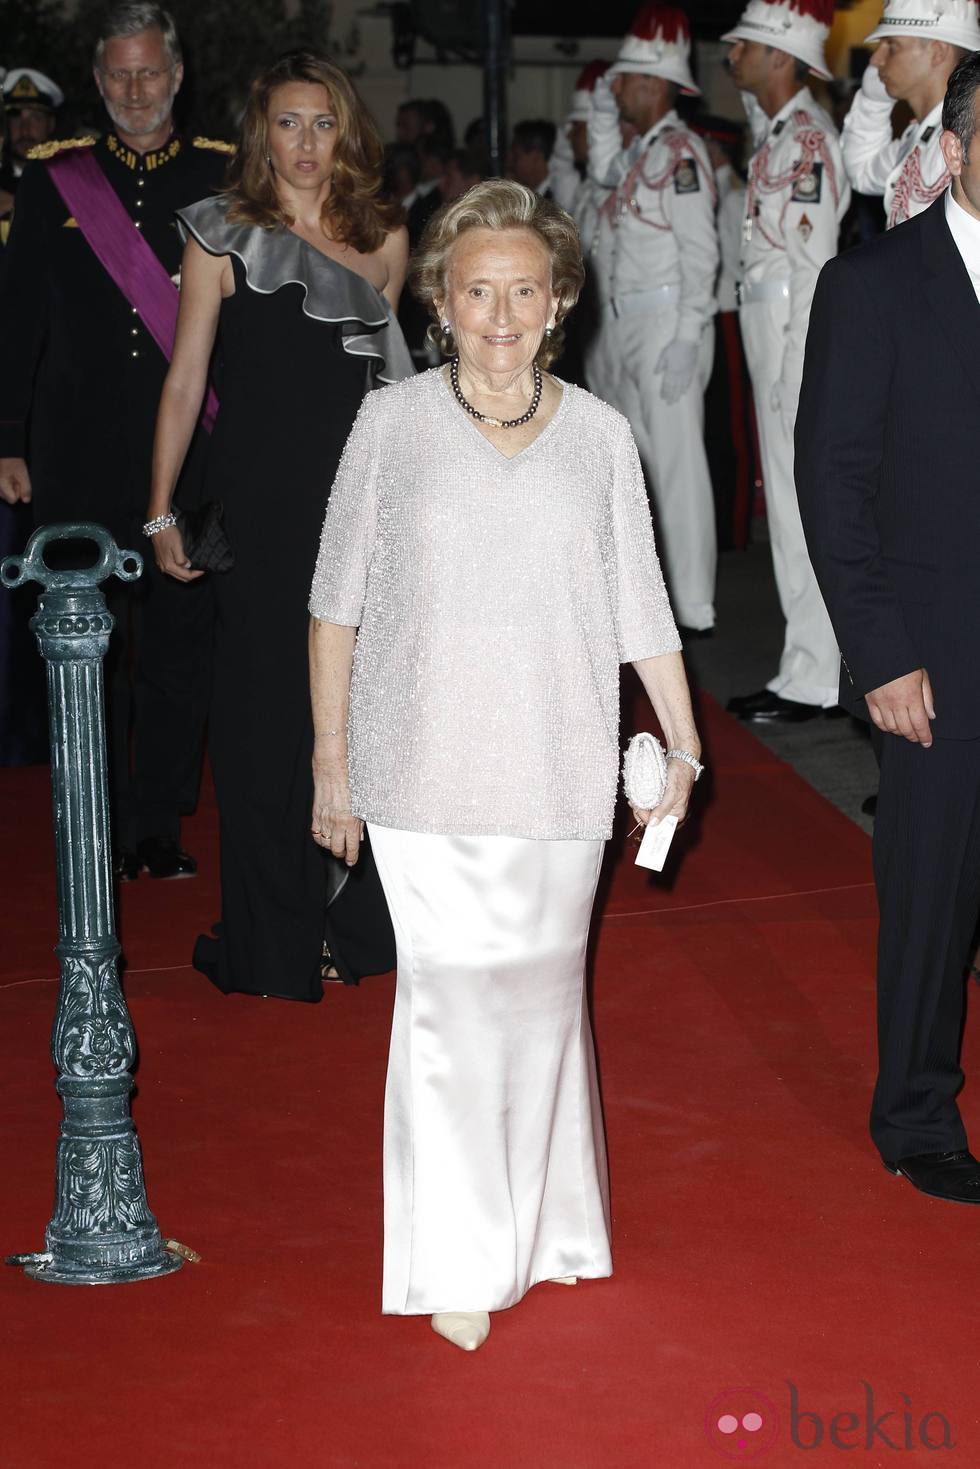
(644, 772)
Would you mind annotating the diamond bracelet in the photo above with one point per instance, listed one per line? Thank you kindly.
(162, 522)
(688, 759)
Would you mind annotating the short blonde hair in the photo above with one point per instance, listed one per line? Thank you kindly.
(499, 204)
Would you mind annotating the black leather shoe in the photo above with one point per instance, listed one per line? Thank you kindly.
(742, 703)
(125, 865)
(953, 1176)
(773, 709)
(161, 857)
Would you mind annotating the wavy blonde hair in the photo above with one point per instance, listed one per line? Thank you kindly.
(499, 204)
(353, 211)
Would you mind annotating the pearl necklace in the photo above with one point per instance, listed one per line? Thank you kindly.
(484, 417)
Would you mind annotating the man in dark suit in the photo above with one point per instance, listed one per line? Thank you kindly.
(887, 466)
(80, 381)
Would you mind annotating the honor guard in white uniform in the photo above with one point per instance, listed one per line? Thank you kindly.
(795, 197)
(916, 45)
(657, 254)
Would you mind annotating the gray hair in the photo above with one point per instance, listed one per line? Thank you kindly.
(130, 19)
(498, 204)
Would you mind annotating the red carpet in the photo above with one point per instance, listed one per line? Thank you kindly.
(757, 1241)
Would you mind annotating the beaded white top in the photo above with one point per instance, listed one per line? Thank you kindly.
(495, 599)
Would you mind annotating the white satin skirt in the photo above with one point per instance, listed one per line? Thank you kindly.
(494, 1156)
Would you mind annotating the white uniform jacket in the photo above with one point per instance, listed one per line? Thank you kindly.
(909, 171)
(796, 196)
(656, 228)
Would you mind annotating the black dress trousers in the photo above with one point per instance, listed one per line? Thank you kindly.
(927, 872)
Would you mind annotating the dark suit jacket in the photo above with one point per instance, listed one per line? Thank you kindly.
(888, 465)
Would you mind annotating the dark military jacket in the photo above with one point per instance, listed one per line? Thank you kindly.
(8, 185)
(80, 376)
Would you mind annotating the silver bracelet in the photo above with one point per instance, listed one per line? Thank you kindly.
(688, 759)
(162, 522)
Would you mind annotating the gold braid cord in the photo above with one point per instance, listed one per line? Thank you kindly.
(215, 144)
(58, 145)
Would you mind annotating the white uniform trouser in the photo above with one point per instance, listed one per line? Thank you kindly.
(494, 1156)
(670, 438)
(810, 664)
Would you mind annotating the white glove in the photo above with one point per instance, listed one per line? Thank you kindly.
(562, 151)
(785, 400)
(603, 99)
(873, 88)
(678, 363)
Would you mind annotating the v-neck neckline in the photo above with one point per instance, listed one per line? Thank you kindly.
(471, 427)
(331, 260)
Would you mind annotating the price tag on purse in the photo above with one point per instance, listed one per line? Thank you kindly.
(656, 844)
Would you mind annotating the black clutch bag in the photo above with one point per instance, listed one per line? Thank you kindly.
(206, 543)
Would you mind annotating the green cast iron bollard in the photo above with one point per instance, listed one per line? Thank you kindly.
(102, 1231)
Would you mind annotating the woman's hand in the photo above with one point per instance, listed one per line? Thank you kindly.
(168, 549)
(676, 797)
(334, 827)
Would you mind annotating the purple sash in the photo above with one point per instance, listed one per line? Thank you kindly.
(122, 250)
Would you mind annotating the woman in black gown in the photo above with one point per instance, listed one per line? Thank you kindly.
(294, 273)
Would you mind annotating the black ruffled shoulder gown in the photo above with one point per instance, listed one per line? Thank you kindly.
(299, 344)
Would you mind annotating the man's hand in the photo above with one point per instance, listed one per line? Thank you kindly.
(168, 548)
(678, 363)
(874, 88)
(604, 98)
(784, 399)
(904, 707)
(15, 482)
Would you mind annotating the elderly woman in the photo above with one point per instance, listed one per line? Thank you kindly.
(488, 540)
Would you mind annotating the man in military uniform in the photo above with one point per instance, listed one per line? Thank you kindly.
(657, 257)
(917, 43)
(80, 380)
(30, 104)
(795, 198)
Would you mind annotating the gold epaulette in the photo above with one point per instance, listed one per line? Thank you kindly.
(215, 144)
(56, 145)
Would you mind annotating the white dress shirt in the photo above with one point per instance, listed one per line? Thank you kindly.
(965, 229)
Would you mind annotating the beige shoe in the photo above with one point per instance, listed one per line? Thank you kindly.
(563, 1280)
(465, 1329)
